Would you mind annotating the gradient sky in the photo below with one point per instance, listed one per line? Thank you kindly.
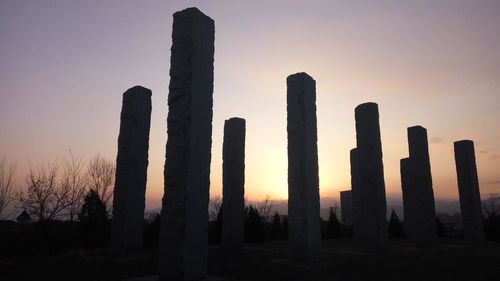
(65, 64)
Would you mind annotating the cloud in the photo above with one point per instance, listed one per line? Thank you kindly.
(488, 152)
(492, 182)
(436, 140)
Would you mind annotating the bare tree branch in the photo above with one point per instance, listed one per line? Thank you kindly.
(491, 206)
(73, 181)
(43, 199)
(101, 178)
(214, 207)
(6, 192)
(266, 208)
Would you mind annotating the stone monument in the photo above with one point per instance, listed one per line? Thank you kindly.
(183, 241)
(131, 173)
(355, 197)
(373, 221)
(468, 191)
(233, 183)
(303, 181)
(418, 195)
(346, 206)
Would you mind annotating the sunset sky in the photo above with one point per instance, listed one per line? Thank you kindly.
(65, 64)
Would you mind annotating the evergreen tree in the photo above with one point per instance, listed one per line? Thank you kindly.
(441, 229)
(254, 226)
(276, 232)
(492, 227)
(93, 209)
(152, 233)
(284, 229)
(333, 225)
(395, 229)
(94, 220)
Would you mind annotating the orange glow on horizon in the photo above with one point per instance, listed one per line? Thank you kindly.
(436, 67)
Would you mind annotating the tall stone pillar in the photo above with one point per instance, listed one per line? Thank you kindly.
(303, 182)
(346, 206)
(184, 215)
(131, 173)
(371, 178)
(355, 195)
(233, 183)
(468, 190)
(418, 196)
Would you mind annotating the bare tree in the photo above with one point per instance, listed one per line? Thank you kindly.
(491, 206)
(6, 193)
(335, 207)
(214, 207)
(44, 198)
(266, 208)
(101, 178)
(74, 180)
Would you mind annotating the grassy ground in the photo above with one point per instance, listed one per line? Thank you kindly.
(342, 259)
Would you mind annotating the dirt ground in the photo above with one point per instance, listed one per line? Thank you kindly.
(341, 259)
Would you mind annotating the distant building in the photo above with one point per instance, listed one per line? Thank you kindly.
(346, 206)
(24, 218)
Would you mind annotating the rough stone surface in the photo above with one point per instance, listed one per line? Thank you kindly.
(184, 216)
(303, 181)
(418, 196)
(468, 190)
(131, 173)
(346, 206)
(373, 220)
(233, 183)
(355, 195)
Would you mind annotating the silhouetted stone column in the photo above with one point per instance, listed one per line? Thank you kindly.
(303, 182)
(131, 173)
(371, 178)
(468, 189)
(355, 195)
(346, 206)
(233, 183)
(418, 196)
(184, 216)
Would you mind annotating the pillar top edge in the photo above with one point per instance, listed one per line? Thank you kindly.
(300, 75)
(138, 90)
(191, 12)
(366, 105)
(460, 142)
(416, 127)
(236, 119)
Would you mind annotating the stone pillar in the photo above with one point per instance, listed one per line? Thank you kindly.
(346, 206)
(303, 182)
(468, 189)
(371, 178)
(355, 195)
(418, 196)
(184, 216)
(233, 183)
(131, 173)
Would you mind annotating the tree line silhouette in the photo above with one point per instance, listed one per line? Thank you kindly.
(56, 190)
(68, 206)
(63, 205)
